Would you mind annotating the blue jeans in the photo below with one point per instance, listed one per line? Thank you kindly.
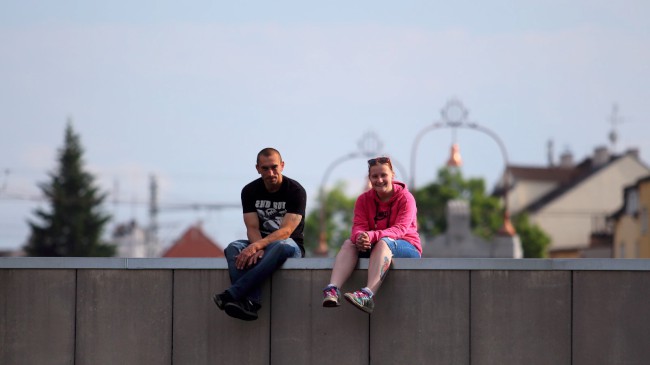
(399, 248)
(247, 283)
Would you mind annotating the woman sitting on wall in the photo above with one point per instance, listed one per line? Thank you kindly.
(384, 226)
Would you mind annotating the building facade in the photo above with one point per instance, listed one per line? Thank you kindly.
(570, 202)
(631, 222)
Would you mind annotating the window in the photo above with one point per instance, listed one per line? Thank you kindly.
(632, 202)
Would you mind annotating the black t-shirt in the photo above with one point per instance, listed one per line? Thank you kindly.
(271, 207)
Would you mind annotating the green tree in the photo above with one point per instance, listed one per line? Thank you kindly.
(534, 240)
(74, 223)
(486, 213)
(339, 211)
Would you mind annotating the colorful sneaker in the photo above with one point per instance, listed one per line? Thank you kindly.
(361, 300)
(331, 296)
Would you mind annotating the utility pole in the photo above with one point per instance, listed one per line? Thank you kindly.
(152, 231)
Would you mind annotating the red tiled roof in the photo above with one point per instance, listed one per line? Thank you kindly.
(580, 173)
(541, 173)
(194, 243)
(561, 175)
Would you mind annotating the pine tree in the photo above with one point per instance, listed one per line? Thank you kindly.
(74, 223)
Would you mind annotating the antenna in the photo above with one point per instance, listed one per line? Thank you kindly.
(615, 119)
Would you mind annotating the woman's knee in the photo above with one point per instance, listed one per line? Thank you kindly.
(348, 248)
(348, 245)
(383, 246)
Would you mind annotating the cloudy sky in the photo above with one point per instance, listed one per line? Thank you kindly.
(191, 92)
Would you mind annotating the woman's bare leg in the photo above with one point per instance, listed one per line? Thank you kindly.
(380, 259)
(345, 262)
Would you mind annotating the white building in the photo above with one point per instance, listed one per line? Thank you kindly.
(570, 202)
(131, 240)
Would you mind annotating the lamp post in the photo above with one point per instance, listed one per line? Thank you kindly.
(368, 146)
(454, 115)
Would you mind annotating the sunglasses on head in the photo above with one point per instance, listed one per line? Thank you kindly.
(374, 161)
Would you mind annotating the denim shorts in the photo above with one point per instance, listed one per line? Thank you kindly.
(399, 248)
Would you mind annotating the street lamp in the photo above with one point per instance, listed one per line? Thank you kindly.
(369, 146)
(454, 115)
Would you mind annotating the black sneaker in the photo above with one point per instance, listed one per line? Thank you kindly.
(244, 310)
(222, 299)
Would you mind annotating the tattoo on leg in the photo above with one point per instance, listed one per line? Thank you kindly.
(384, 268)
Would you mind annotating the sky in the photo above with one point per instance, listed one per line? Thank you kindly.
(189, 93)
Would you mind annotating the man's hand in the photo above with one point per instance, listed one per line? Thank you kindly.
(255, 258)
(363, 242)
(248, 256)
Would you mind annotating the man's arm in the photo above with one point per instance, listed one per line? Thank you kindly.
(252, 223)
(249, 255)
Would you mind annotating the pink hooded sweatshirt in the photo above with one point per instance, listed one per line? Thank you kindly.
(396, 219)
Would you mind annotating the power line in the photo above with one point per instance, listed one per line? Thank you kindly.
(162, 206)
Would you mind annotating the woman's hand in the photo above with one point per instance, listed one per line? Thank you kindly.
(363, 242)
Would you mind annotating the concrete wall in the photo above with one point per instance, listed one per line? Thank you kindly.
(429, 311)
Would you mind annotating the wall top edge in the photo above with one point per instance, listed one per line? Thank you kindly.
(327, 263)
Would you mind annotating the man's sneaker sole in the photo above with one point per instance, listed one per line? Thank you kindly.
(350, 298)
(331, 302)
(236, 311)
